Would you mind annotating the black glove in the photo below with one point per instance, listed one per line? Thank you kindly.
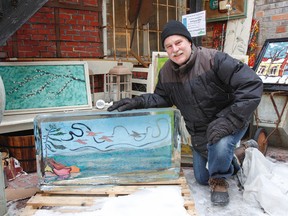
(127, 104)
(218, 129)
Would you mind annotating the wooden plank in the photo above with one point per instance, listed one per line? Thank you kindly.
(40, 200)
(113, 190)
(139, 59)
(89, 196)
(43, 200)
(73, 6)
(57, 32)
(28, 211)
(140, 81)
(16, 17)
(110, 190)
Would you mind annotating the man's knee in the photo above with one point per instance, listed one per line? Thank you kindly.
(201, 179)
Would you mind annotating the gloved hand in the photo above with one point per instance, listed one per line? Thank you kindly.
(127, 104)
(218, 129)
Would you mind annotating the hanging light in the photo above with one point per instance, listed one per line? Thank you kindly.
(118, 83)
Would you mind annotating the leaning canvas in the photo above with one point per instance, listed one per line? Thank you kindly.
(99, 148)
(35, 87)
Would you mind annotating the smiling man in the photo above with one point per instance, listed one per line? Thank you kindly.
(216, 95)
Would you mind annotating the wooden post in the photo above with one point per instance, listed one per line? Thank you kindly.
(196, 6)
(3, 206)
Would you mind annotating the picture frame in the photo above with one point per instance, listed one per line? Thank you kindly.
(239, 10)
(34, 87)
(158, 60)
(272, 64)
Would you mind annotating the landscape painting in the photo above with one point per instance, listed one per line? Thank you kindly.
(272, 64)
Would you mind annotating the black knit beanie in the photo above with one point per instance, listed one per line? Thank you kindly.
(174, 27)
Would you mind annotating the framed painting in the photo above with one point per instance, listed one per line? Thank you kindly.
(158, 60)
(272, 64)
(237, 10)
(96, 148)
(33, 87)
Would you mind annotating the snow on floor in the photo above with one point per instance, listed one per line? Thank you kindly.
(238, 206)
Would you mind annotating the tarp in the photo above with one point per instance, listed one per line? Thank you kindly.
(265, 183)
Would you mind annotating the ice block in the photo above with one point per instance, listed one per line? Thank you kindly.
(100, 148)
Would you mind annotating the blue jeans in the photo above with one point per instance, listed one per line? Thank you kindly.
(219, 159)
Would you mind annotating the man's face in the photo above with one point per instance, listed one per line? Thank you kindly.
(178, 48)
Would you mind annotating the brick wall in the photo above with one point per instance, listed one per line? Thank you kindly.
(273, 19)
(75, 31)
(60, 29)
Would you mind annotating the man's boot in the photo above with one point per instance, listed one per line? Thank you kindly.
(219, 191)
(240, 151)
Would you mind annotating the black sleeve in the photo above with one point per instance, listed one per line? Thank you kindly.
(246, 85)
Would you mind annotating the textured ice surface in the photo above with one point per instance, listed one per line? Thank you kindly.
(88, 148)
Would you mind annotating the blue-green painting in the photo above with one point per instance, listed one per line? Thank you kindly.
(45, 85)
(106, 147)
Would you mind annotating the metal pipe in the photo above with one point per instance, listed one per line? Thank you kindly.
(3, 206)
(104, 30)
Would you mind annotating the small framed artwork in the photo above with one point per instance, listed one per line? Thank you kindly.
(232, 10)
(272, 64)
(33, 87)
(158, 60)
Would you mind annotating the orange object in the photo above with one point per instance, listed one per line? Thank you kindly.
(74, 169)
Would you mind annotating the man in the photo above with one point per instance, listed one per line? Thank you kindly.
(216, 95)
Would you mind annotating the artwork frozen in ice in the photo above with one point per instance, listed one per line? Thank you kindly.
(132, 146)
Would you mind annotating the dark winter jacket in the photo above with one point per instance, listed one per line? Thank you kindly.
(210, 85)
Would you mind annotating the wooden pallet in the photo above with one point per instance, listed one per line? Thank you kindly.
(87, 197)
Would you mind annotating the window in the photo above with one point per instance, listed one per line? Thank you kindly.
(261, 70)
(127, 40)
(273, 71)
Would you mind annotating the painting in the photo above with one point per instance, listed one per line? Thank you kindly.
(158, 60)
(272, 64)
(33, 87)
(96, 148)
(238, 9)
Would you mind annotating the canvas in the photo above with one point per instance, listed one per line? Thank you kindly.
(158, 60)
(33, 87)
(95, 148)
(272, 64)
